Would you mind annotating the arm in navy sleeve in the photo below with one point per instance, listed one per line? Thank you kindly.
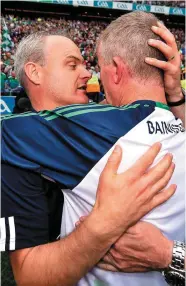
(24, 212)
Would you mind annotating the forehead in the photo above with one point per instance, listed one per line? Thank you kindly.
(60, 47)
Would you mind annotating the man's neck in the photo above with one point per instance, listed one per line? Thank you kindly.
(39, 105)
(136, 91)
(40, 100)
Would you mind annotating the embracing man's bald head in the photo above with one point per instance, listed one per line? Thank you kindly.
(31, 48)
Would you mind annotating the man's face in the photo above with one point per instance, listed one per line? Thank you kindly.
(105, 77)
(64, 76)
(8, 55)
(11, 62)
(97, 69)
(112, 76)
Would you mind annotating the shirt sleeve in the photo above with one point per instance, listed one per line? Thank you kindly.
(24, 211)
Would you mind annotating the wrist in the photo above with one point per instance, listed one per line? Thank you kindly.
(101, 228)
(176, 97)
(168, 253)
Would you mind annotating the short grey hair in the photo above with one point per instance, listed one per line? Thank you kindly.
(127, 38)
(31, 48)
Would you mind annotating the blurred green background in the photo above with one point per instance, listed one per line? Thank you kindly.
(7, 278)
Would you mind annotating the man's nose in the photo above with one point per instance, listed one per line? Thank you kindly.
(86, 74)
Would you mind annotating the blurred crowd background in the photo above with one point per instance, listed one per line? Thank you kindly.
(84, 33)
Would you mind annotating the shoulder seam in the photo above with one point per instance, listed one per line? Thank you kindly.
(11, 116)
(101, 108)
(67, 110)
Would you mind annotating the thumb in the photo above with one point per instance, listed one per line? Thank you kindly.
(114, 160)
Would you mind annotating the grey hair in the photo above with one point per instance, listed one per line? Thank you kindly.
(127, 37)
(31, 48)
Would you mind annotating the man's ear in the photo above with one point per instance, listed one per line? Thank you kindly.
(121, 70)
(33, 72)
